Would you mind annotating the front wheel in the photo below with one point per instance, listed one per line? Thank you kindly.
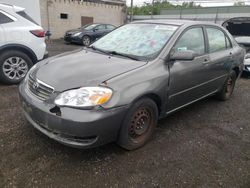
(139, 124)
(14, 65)
(86, 40)
(227, 90)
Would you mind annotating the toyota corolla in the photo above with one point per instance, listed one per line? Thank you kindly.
(117, 89)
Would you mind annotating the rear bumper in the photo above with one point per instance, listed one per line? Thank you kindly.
(46, 55)
(73, 127)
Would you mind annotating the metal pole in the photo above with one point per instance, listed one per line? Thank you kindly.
(132, 11)
(152, 11)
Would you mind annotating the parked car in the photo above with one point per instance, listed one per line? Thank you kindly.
(116, 89)
(21, 43)
(87, 34)
(244, 41)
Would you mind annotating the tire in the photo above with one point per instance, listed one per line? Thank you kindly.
(138, 125)
(227, 90)
(14, 66)
(86, 40)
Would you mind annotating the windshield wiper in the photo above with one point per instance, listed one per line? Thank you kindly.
(115, 53)
(124, 55)
(97, 49)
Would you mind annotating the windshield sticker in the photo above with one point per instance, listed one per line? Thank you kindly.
(182, 49)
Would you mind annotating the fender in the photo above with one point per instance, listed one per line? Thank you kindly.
(20, 47)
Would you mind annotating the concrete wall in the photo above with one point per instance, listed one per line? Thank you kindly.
(102, 13)
(32, 7)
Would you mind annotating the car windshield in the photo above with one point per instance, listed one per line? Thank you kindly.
(89, 27)
(144, 41)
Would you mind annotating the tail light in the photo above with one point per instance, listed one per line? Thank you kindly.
(38, 33)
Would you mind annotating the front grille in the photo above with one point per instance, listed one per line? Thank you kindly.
(68, 34)
(39, 89)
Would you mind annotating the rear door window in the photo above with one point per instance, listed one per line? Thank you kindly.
(27, 17)
(216, 40)
(4, 19)
(192, 39)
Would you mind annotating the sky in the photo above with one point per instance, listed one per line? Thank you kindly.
(204, 3)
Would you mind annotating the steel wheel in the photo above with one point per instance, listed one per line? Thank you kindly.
(228, 87)
(140, 123)
(86, 41)
(15, 68)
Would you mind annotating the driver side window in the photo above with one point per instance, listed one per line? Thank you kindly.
(193, 39)
(100, 27)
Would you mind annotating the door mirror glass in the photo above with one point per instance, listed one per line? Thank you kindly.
(187, 55)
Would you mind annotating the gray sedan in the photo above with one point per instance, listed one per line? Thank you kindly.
(117, 89)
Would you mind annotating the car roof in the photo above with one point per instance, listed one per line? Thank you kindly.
(9, 7)
(179, 22)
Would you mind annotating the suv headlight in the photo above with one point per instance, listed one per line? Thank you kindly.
(84, 97)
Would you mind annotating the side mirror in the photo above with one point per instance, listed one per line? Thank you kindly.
(187, 55)
(247, 56)
(95, 29)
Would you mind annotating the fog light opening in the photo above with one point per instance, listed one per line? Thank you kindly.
(56, 110)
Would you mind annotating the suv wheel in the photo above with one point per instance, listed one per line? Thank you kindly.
(14, 65)
(228, 87)
(138, 125)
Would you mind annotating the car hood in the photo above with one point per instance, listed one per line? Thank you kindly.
(82, 68)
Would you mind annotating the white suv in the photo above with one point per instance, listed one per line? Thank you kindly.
(22, 43)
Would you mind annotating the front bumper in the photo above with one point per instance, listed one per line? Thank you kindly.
(73, 127)
(72, 39)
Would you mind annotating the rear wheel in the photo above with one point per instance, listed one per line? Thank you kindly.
(139, 124)
(228, 87)
(86, 40)
(14, 65)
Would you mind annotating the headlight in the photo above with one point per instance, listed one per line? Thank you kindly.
(84, 97)
(76, 34)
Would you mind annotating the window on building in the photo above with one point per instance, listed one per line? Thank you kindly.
(63, 16)
(4, 19)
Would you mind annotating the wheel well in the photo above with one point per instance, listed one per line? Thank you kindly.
(237, 70)
(29, 53)
(156, 99)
